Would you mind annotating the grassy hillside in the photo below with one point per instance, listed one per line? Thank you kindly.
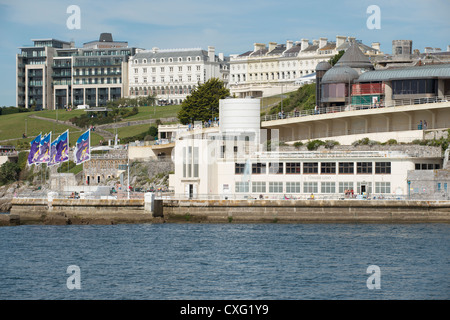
(13, 126)
(303, 98)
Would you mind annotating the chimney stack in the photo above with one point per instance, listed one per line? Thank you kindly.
(289, 44)
(258, 46)
(376, 46)
(272, 45)
(305, 44)
(340, 40)
(211, 53)
(323, 42)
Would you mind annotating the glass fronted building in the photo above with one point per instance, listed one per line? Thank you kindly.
(53, 74)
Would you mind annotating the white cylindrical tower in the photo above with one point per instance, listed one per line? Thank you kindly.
(239, 115)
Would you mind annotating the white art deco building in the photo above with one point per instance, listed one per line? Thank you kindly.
(232, 161)
(172, 74)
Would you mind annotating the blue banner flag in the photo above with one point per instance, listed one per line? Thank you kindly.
(82, 148)
(44, 149)
(62, 147)
(53, 160)
(34, 150)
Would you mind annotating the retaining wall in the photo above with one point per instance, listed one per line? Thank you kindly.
(306, 211)
(106, 211)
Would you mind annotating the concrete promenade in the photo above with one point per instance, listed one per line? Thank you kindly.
(102, 211)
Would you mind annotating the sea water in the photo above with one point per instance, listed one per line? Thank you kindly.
(225, 261)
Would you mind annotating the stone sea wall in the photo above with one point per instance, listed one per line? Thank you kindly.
(105, 211)
(303, 211)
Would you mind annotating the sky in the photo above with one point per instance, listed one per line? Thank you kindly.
(231, 26)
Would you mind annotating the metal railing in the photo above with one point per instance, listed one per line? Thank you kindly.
(330, 154)
(395, 103)
(160, 195)
(306, 196)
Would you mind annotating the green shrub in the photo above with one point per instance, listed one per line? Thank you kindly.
(314, 144)
(298, 144)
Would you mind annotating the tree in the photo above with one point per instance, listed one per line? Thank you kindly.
(9, 172)
(153, 131)
(336, 57)
(203, 103)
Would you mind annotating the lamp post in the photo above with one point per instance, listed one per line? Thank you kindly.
(349, 78)
(409, 189)
(128, 188)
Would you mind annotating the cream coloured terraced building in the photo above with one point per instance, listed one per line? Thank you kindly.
(274, 69)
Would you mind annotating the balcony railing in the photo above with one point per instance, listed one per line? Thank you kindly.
(319, 111)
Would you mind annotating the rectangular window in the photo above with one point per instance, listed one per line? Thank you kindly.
(276, 187)
(293, 187)
(382, 187)
(364, 167)
(328, 187)
(258, 186)
(310, 167)
(184, 162)
(328, 168)
(293, 167)
(196, 162)
(258, 168)
(276, 167)
(241, 187)
(382, 167)
(239, 168)
(310, 187)
(346, 167)
(345, 186)
(439, 186)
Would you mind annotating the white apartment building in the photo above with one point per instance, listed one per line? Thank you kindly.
(172, 74)
(276, 68)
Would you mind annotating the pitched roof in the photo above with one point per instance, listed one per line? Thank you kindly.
(175, 54)
(354, 58)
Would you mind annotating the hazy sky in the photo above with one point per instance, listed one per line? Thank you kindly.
(230, 26)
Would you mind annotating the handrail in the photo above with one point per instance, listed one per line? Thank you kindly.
(319, 111)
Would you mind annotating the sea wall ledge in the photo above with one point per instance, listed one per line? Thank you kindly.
(112, 211)
(293, 211)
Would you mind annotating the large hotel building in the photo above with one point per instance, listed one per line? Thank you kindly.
(52, 74)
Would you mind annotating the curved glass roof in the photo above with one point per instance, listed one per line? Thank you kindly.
(421, 72)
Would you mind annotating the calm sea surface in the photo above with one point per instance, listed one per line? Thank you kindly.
(226, 261)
